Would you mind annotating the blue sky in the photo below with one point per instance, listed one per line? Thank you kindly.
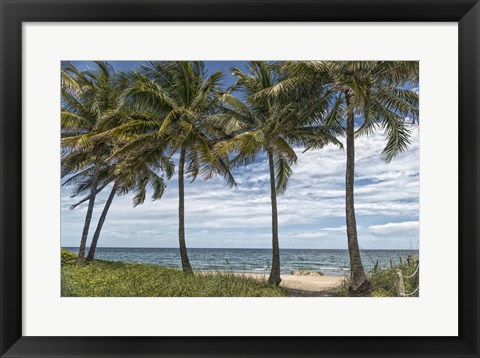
(211, 67)
(311, 212)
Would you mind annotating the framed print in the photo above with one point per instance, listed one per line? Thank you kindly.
(239, 178)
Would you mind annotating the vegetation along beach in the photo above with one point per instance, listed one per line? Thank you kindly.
(239, 178)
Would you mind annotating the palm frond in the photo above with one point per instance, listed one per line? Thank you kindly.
(283, 172)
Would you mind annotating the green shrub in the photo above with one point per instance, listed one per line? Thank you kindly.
(67, 257)
(117, 279)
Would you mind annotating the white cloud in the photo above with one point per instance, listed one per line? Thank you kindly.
(386, 195)
(395, 228)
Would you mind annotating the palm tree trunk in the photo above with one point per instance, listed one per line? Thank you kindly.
(96, 235)
(275, 272)
(88, 219)
(181, 214)
(99, 189)
(359, 285)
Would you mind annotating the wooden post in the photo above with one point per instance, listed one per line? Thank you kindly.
(399, 283)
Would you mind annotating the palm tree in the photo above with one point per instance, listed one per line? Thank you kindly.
(181, 106)
(101, 220)
(272, 125)
(375, 91)
(88, 97)
(126, 172)
(376, 95)
(135, 175)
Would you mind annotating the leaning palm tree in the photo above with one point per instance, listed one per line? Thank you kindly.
(272, 126)
(126, 176)
(376, 95)
(88, 97)
(181, 109)
(126, 172)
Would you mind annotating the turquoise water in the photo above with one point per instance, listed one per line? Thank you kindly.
(330, 262)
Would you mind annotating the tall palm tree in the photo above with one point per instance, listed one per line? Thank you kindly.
(88, 97)
(376, 95)
(272, 125)
(181, 106)
(374, 91)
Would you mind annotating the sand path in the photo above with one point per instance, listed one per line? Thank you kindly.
(306, 286)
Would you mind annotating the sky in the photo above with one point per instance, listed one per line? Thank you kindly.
(311, 211)
(210, 66)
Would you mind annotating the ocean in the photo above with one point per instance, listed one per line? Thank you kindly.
(330, 262)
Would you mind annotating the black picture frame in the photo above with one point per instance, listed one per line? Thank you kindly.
(15, 12)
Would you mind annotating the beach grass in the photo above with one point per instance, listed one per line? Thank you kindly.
(383, 280)
(118, 279)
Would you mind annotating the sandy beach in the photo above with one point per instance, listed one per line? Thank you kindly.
(305, 286)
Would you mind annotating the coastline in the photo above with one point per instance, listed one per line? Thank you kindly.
(331, 262)
(102, 278)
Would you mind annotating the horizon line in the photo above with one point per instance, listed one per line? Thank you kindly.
(236, 248)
